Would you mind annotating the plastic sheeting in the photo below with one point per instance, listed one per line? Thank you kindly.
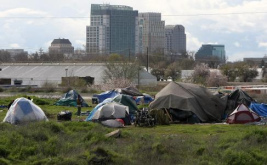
(108, 94)
(24, 110)
(259, 108)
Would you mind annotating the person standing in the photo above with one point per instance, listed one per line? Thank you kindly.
(79, 105)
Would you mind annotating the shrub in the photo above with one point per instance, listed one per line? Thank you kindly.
(4, 161)
(39, 101)
(49, 87)
(4, 152)
(160, 117)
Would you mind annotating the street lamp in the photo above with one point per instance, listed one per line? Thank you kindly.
(66, 69)
(66, 72)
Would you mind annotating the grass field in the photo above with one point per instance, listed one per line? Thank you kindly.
(77, 142)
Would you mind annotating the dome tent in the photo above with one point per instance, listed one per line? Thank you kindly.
(70, 99)
(24, 110)
(242, 114)
(110, 110)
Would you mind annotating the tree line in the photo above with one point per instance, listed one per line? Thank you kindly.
(125, 67)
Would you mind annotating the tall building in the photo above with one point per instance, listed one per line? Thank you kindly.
(62, 46)
(175, 40)
(112, 29)
(150, 33)
(209, 52)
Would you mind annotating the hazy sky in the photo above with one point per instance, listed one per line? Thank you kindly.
(240, 25)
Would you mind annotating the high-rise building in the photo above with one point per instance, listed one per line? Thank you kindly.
(209, 52)
(112, 29)
(150, 33)
(175, 40)
(62, 46)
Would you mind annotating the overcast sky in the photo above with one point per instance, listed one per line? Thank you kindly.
(240, 25)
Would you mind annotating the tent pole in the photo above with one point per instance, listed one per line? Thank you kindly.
(168, 114)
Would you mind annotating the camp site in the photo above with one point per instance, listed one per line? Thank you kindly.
(175, 123)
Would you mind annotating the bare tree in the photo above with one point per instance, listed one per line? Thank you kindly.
(5, 56)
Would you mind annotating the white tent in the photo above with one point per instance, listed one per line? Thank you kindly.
(24, 110)
(111, 110)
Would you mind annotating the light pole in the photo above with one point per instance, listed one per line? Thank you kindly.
(67, 75)
(66, 72)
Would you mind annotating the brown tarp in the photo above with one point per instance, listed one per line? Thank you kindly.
(190, 97)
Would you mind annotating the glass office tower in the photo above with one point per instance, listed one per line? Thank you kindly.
(211, 52)
(112, 29)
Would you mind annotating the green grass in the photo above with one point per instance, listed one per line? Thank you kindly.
(76, 142)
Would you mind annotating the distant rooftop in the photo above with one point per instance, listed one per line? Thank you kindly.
(110, 7)
(174, 26)
(61, 41)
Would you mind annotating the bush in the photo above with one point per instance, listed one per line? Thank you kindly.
(161, 118)
(39, 101)
(49, 87)
(4, 161)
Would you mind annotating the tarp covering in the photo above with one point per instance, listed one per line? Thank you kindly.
(108, 94)
(127, 101)
(242, 114)
(24, 110)
(111, 110)
(132, 91)
(145, 99)
(70, 99)
(260, 109)
(240, 97)
(190, 97)
(113, 123)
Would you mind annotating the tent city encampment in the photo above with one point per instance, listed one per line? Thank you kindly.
(180, 102)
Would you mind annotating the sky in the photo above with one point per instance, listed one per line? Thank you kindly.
(240, 25)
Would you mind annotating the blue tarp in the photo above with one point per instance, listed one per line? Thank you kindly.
(147, 99)
(108, 94)
(259, 108)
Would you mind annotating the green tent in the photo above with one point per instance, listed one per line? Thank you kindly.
(127, 101)
(70, 99)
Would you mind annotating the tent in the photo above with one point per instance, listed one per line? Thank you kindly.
(260, 109)
(242, 114)
(70, 99)
(238, 97)
(190, 97)
(111, 110)
(108, 94)
(132, 91)
(90, 116)
(24, 110)
(127, 101)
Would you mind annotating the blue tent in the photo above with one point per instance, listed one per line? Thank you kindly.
(108, 94)
(89, 118)
(259, 108)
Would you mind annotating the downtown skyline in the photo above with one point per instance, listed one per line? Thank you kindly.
(238, 25)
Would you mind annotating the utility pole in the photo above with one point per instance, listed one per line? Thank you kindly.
(129, 54)
(147, 59)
